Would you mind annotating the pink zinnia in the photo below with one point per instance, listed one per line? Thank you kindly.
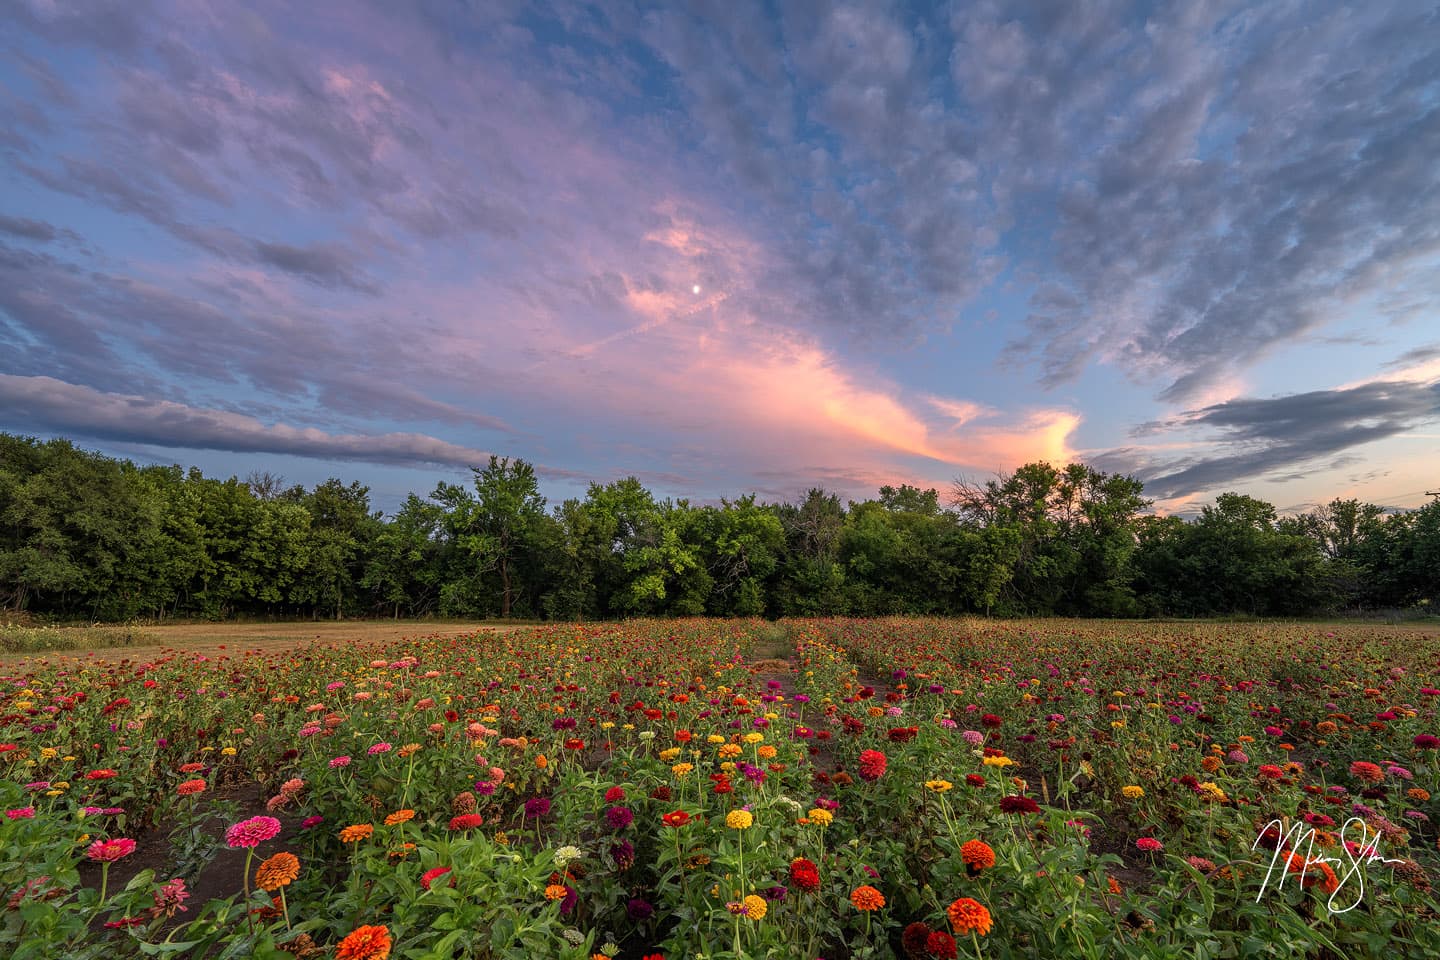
(21, 813)
(108, 851)
(380, 748)
(1427, 741)
(252, 832)
(1149, 844)
(340, 762)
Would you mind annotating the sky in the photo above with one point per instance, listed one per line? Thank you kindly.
(729, 247)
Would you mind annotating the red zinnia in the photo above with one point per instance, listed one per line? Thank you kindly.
(872, 765)
(430, 876)
(466, 821)
(940, 945)
(102, 774)
(804, 874)
(1018, 805)
(914, 938)
(675, 818)
(1369, 772)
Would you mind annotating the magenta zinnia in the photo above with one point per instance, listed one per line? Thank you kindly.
(252, 832)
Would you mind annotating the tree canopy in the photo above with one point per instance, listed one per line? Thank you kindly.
(84, 535)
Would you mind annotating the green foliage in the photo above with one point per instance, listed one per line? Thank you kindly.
(84, 536)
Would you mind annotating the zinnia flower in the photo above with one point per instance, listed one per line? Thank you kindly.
(108, 851)
(940, 945)
(912, 940)
(1132, 792)
(430, 876)
(977, 854)
(252, 832)
(968, 915)
(466, 821)
(399, 817)
(365, 943)
(739, 820)
(756, 907)
(804, 874)
(675, 818)
(872, 765)
(867, 898)
(276, 871)
(1149, 845)
(1369, 772)
(356, 832)
(190, 788)
(1018, 804)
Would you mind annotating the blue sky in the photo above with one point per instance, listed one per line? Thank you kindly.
(729, 247)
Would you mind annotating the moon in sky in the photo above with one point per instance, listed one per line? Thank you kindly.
(695, 289)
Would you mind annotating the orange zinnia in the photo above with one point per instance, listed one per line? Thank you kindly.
(191, 787)
(399, 816)
(356, 832)
(967, 915)
(555, 891)
(977, 854)
(365, 943)
(867, 898)
(277, 871)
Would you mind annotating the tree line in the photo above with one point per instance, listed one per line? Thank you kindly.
(83, 535)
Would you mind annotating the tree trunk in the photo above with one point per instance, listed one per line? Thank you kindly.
(505, 594)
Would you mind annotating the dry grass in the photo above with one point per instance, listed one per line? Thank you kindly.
(142, 643)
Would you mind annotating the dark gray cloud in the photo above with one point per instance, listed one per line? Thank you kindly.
(1415, 356)
(1259, 436)
(25, 229)
(326, 265)
(47, 404)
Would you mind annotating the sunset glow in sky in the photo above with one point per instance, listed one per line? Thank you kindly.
(739, 247)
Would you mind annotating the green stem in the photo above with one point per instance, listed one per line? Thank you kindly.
(249, 858)
(104, 880)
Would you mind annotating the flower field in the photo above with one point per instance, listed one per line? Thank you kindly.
(676, 789)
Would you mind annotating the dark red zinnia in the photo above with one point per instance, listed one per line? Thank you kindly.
(1018, 804)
